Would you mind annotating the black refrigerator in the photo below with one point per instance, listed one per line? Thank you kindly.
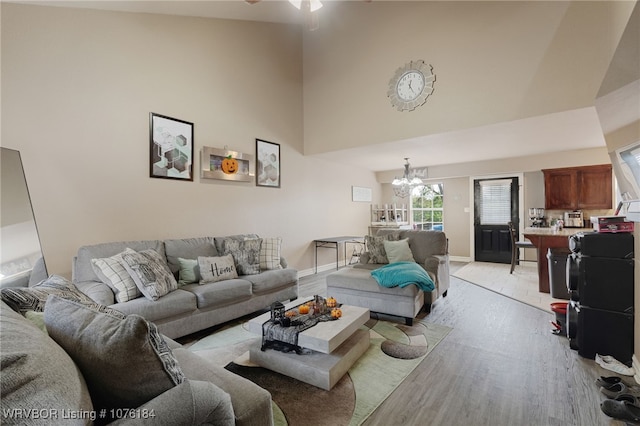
(600, 280)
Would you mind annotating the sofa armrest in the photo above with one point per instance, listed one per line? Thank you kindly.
(98, 291)
(192, 402)
(438, 266)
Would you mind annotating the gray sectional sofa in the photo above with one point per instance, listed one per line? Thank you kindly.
(191, 307)
(45, 381)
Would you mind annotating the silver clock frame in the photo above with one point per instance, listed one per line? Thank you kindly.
(413, 66)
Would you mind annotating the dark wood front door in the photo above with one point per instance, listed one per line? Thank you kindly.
(495, 204)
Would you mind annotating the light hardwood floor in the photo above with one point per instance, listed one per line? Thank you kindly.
(500, 365)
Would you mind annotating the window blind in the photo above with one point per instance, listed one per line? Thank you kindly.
(495, 202)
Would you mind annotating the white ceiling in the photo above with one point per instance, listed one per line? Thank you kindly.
(577, 129)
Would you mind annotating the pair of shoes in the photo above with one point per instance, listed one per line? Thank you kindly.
(612, 364)
(629, 398)
(622, 410)
(617, 389)
(605, 382)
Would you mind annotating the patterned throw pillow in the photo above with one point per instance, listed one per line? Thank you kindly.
(270, 254)
(246, 254)
(213, 269)
(375, 246)
(23, 299)
(150, 273)
(124, 361)
(111, 271)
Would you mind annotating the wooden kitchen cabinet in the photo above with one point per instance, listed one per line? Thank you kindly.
(577, 188)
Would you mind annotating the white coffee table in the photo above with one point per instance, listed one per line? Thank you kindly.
(335, 346)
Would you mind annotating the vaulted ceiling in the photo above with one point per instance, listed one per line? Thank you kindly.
(523, 112)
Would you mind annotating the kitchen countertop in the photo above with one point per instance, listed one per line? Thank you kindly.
(564, 232)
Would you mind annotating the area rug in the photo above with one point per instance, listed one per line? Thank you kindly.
(522, 285)
(395, 350)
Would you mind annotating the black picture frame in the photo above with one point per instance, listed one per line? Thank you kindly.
(268, 164)
(171, 148)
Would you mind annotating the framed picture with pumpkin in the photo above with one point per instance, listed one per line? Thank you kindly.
(226, 165)
(267, 164)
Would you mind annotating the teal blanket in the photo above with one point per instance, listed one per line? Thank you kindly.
(401, 274)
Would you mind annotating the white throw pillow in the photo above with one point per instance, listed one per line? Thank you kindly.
(270, 253)
(112, 272)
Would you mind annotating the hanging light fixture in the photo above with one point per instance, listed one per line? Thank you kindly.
(402, 187)
(308, 8)
(314, 4)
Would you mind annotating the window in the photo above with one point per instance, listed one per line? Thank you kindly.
(495, 202)
(427, 207)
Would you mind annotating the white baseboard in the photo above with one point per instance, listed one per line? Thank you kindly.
(465, 259)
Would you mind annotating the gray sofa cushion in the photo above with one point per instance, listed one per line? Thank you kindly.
(271, 280)
(251, 403)
(361, 280)
(125, 362)
(82, 270)
(174, 304)
(220, 293)
(36, 373)
(188, 248)
(192, 402)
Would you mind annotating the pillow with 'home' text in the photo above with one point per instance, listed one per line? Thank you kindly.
(214, 269)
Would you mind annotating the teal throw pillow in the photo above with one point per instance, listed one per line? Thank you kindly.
(189, 272)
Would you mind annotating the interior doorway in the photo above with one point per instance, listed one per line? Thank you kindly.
(496, 202)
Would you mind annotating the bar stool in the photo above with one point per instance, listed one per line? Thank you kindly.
(516, 246)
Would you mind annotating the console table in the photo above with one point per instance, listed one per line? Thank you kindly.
(334, 243)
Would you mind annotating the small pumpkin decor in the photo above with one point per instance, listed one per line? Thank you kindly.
(303, 309)
(230, 165)
(336, 313)
(331, 302)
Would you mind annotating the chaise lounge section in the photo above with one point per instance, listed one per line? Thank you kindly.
(354, 285)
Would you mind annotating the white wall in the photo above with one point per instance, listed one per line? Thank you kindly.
(77, 90)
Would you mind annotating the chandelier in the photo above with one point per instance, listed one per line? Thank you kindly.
(308, 8)
(402, 187)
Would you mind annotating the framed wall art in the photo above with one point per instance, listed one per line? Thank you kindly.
(223, 164)
(268, 165)
(171, 148)
(361, 194)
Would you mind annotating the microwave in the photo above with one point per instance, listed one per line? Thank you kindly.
(573, 219)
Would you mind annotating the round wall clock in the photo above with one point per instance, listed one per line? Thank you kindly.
(411, 85)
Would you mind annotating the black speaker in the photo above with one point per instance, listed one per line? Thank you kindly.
(599, 244)
(605, 333)
(605, 283)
